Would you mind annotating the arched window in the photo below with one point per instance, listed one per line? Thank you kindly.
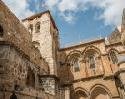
(74, 62)
(30, 28)
(76, 65)
(91, 60)
(1, 30)
(113, 57)
(37, 27)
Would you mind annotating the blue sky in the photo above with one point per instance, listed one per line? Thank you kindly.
(77, 20)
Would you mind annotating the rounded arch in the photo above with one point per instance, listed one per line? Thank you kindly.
(91, 56)
(113, 55)
(81, 93)
(99, 91)
(82, 89)
(113, 49)
(91, 48)
(73, 60)
(76, 53)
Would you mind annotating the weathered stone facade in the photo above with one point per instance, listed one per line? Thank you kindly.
(20, 62)
(46, 39)
(33, 66)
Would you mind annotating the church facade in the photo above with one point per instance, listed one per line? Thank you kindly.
(33, 66)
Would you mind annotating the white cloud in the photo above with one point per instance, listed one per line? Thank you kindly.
(51, 3)
(67, 9)
(68, 17)
(19, 7)
(111, 15)
(113, 9)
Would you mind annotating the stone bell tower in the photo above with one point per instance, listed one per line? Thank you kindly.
(45, 37)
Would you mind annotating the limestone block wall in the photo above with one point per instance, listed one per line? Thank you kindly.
(85, 81)
(14, 72)
(84, 72)
(44, 38)
(15, 33)
(104, 65)
(88, 87)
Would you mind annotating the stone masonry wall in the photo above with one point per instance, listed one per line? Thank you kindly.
(44, 38)
(17, 34)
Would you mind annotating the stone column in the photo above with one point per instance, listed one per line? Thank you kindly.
(67, 93)
(122, 79)
(106, 65)
(121, 73)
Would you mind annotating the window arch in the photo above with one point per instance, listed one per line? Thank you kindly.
(74, 61)
(80, 95)
(100, 91)
(90, 58)
(30, 28)
(37, 27)
(113, 56)
(1, 30)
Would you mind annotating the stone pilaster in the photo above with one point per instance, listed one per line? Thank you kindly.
(121, 73)
(67, 93)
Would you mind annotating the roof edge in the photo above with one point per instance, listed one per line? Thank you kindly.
(80, 44)
(39, 15)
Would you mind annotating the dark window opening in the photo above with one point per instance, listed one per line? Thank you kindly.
(37, 27)
(1, 69)
(13, 96)
(1, 30)
(30, 78)
(30, 28)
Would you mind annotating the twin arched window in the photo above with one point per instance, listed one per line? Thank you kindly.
(89, 57)
(37, 28)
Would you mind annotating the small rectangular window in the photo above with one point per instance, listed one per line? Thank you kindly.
(1, 69)
(1, 30)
